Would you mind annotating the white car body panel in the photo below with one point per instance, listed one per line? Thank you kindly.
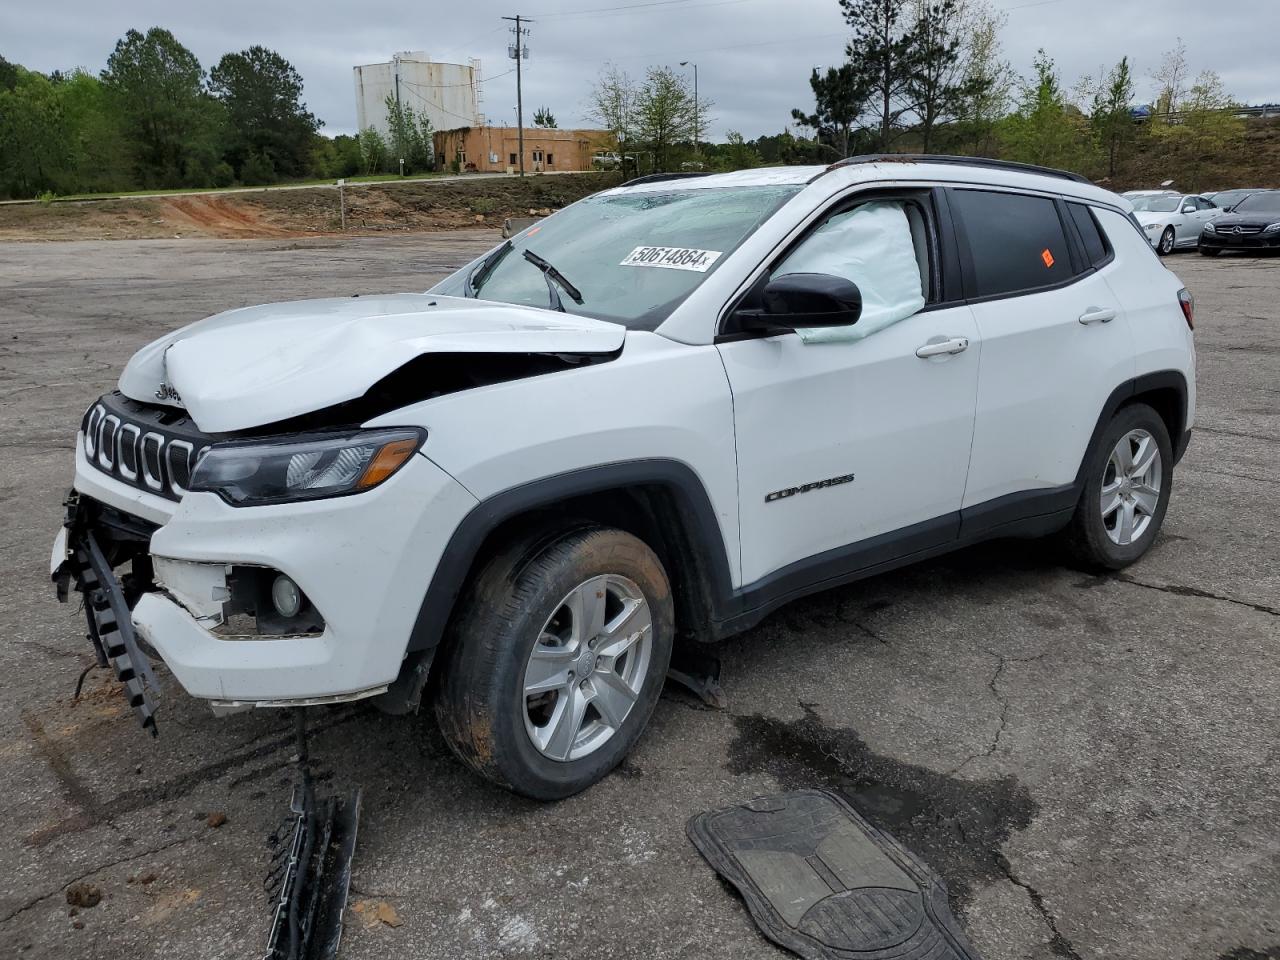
(360, 559)
(1160, 339)
(657, 400)
(258, 365)
(869, 408)
(1045, 376)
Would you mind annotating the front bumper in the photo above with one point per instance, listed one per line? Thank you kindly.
(1230, 241)
(363, 560)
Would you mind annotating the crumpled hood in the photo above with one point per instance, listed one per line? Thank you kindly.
(257, 365)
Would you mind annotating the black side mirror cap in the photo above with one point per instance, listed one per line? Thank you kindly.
(804, 300)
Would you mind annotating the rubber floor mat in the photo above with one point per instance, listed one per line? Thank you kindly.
(824, 883)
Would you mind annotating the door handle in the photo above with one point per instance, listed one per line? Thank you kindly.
(1097, 315)
(938, 348)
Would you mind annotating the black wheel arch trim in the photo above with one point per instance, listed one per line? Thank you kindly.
(469, 536)
(1179, 435)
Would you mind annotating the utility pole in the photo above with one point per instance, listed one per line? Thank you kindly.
(518, 53)
(688, 63)
(399, 125)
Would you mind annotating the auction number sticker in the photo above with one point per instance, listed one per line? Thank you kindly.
(673, 258)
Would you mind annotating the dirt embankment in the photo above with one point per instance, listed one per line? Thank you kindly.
(372, 208)
(1252, 162)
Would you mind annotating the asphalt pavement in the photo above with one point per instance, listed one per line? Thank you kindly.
(1089, 761)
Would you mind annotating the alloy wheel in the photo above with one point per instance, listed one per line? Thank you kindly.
(1131, 487)
(588, 667)
(1166, 241)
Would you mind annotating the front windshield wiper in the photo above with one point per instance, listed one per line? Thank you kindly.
(481, 273)
(554, 276)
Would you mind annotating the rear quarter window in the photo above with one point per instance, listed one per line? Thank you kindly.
(1095, 245)
(1015, 242)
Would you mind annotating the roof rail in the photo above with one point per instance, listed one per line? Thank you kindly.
(659, 177)
(959, 161)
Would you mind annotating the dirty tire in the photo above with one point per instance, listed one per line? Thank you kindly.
(1086, 536)
(479, 701)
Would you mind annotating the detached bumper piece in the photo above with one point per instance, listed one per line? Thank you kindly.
(310, 873)
(110, 626)
(824, 883)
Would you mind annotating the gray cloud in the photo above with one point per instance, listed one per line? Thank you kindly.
(753, 56)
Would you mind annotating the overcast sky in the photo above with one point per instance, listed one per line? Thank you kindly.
(753, 56)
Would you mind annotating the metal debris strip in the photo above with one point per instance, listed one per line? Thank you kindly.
(310, 874)
(699, 673)
(111, 628)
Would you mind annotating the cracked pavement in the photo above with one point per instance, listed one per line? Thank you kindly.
(1088, 761)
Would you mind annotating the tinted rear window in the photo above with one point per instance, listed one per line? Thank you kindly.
(1095, 247)
(1016, 242)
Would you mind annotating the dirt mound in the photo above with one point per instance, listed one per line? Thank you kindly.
(306, 211)
(1253, 162)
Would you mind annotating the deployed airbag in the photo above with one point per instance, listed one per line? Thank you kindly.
(872, 246)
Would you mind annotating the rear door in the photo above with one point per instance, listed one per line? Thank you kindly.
(1206, 210)
(1054, 338)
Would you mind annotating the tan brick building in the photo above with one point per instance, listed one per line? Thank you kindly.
(494, 149)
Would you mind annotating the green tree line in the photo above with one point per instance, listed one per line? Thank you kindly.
(930, 76)
(154, 118)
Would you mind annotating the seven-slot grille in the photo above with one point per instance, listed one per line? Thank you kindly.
(151, 448)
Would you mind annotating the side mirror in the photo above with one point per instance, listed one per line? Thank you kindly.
(1189, 208)
(805, 300)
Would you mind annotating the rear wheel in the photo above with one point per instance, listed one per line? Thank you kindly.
(1165, 247)
(1128, 479)
(557, 660)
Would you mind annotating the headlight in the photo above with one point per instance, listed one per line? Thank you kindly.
(1273, 228)
(1210, 228)
(1151, 226)
(304, 467)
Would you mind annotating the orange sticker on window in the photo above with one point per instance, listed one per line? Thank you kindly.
(1047, 257)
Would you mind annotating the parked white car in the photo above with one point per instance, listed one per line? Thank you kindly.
(643, 423)
(1173, 220)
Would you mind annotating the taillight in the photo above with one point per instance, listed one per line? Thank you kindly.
(1188, 304)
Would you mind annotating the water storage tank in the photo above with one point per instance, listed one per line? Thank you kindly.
(448, 93)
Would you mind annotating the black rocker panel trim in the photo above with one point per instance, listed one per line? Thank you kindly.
(487, 516)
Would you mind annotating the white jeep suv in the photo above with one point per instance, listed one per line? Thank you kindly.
(643, 423)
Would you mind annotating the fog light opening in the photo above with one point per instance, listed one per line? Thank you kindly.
(286, 597)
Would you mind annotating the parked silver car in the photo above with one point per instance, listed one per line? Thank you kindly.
(1173, 220)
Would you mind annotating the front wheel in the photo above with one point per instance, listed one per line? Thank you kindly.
(1165, 247)
(557, 660)
(1128, 479)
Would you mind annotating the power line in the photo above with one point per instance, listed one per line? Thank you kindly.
(637, 7)
(445, 86)
(480, 36)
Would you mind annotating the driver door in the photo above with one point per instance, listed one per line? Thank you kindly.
(851, 452)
